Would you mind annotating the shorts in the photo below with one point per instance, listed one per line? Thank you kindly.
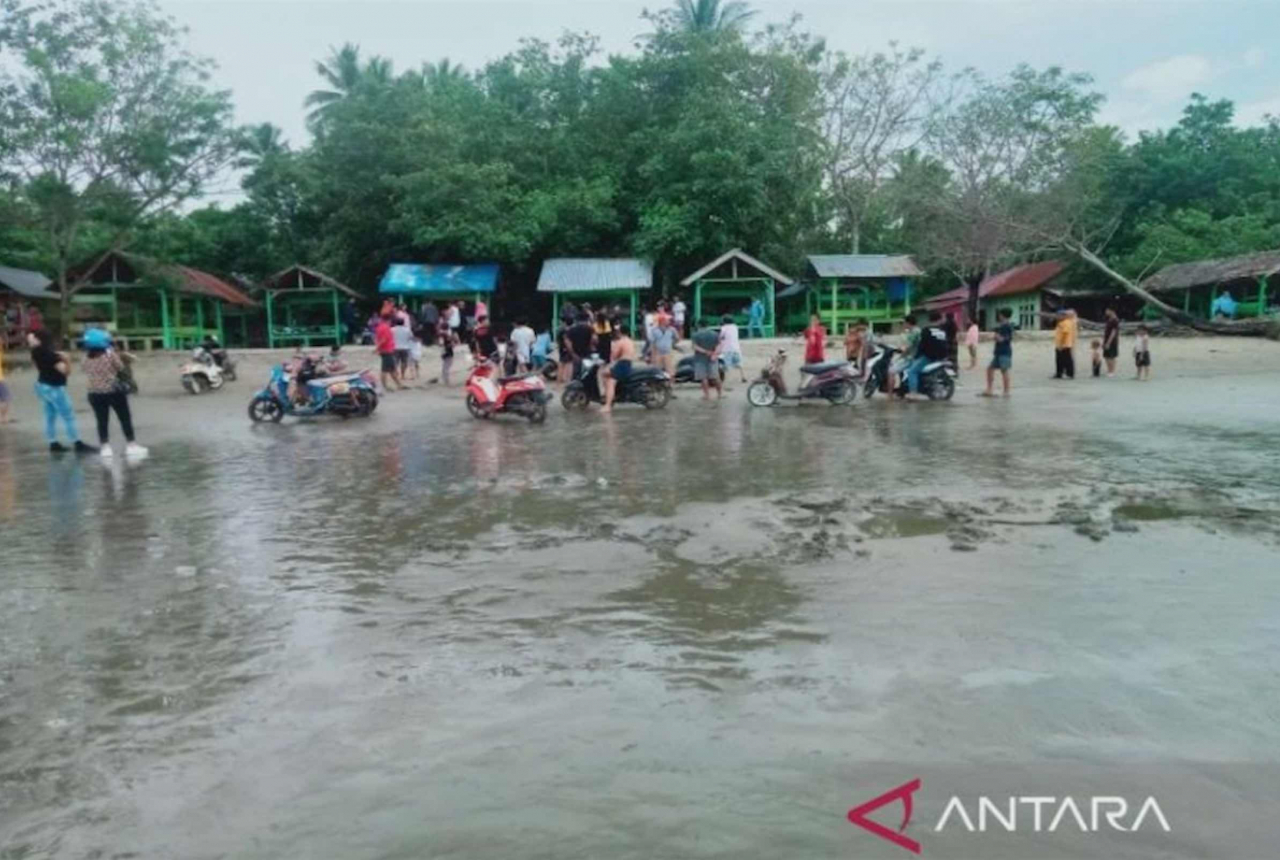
(1112, 351)
(4, 393)
(1142, 359)
(1001, 362)
(732, 359)
(621, 369)
(402, 358)
(702, 367)
(388, 362)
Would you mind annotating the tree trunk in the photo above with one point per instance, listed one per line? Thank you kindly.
(857, 236)
(1245, 328)
(64, 306)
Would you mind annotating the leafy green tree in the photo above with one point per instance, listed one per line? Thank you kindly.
(109, 120)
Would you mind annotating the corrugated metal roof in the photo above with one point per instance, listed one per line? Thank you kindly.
(1019, 279)
(183, 278)
(580, 274)
(26, 283)
(419, 278)
(864, 266)
(1206, 272)
(744, 257)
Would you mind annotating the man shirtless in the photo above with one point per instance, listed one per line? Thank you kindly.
(621, 355)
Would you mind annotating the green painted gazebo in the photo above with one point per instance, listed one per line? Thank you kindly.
(730, 283)
(583, 279)
(420, 282)
(150, 303)
(1197, 286)
(303, 307)
(841, 288)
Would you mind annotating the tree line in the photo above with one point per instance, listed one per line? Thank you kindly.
(715, 131)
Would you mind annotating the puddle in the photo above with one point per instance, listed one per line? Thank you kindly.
(1148, 512)
(903, 525)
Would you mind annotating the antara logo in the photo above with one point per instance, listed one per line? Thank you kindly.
(1034, 813)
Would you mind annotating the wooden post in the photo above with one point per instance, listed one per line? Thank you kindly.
(697, 301)
(271, 328)
(164, 318)
(222, 333)
(177, 319)
(634, 294)
(200, 315)
(337, 320)
(772, 329)
(834, 292)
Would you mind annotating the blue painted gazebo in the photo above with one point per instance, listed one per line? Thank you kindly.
(419, 282)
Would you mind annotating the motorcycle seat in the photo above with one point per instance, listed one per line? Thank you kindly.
(644, 373)
(824, 367)
(503, 380)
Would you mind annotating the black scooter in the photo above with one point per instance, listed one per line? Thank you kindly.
(648, 386)
(684, 370)
(937, 378)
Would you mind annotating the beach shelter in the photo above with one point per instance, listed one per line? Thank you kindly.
(730, 283)
(595, 280)
(841, 288)
(420, 282)
(1232, 286)
(303, 307)
(151, 303)
(19, 288)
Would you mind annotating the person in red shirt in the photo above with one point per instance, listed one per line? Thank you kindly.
(384, 343)
(815, 341)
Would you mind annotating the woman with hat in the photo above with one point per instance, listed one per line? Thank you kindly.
(102, 369)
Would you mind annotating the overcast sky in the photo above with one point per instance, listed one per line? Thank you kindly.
(1146, 55)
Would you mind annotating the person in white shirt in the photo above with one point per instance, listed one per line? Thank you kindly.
(522, 338)
(730, 347)
(403, 336)
(650, 331)
(455, 318)
(678, 311)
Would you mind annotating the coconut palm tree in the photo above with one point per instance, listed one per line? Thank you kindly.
(442, 73)
(259, 143)
(712, 16)
(341, 72)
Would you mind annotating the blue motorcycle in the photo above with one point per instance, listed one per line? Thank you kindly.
(345, 395)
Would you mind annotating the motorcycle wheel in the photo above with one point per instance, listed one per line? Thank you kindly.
(845, 396)
(537, 413)
(265, 409)
(871, 386)
(366, 402)
(574, 398)
(474, 407)
(943, 389)
(550, 370)
(761, 393)
(215, 382)
(656, 395)
(189, 384)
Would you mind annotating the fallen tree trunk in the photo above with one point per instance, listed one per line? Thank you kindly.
(1237, 328)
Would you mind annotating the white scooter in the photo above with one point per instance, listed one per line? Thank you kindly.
(203, 373)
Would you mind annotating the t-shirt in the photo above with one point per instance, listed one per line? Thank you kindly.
(950, 328)
(678, 311)
(815, 341)
(541, 346)
(402, 338)
(455, 317)
(706, 338)
(101, 371)
(486, 343)
(664, 340)
(522, 338)
(1004, 339)
(971, 336)
(933, 343)
(1064, 334)
(415, 351)
(45, 360)
(1111, 325)
(1141, 344)
(580, 335)
(384, 342)
(729, 338)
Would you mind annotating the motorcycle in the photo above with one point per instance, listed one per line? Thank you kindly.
(832, 381)
(523, 394)
(648, 386)
(684, 370)
(345, 395)
(204, 372)
(937, 378)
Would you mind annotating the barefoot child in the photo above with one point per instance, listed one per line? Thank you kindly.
(1142, 353)
(1095, 355)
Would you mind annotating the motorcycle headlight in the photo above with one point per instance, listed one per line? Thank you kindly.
(340, 388)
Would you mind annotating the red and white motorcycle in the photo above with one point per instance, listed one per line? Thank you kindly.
(489, 394)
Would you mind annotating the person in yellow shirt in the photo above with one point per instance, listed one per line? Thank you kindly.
(1064, 345)
(4, 389)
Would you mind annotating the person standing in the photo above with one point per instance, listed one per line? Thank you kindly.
(486, 345)
(1142, 353)
(522, 338)
(706, 370)
(1064, 345)
(402, 339)
(604, 332)
(662, 350)
(971, 343)
(102, 368)
(952, 330)
(568, 315)
(1111, 340)
(52, 368)
(730, 348)
(455, 319)
(755, 318)
(349, 321)
(815, 341)
(429, 316)
(1002, 359)
(581, 339)
(447, 342)
(4, 388)
(678, 311)
(384, 343)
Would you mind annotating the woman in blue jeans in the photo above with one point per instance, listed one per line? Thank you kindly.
(51, 388)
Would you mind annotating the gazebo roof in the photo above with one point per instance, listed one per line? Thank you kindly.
(1010, 282)
(25, 282)
(1209, 272)
(299, 277)
(864, 266)
(738, 254)
(183, 278)
(581, 275)
(427, 278)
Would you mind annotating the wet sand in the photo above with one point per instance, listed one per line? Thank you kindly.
(702, 632)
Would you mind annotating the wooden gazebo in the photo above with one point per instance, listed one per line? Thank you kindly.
(303, 307)
(841, 288)
(730, 283)
(151, 303)
(595, 279)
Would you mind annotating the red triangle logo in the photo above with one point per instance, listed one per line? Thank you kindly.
(858, 815)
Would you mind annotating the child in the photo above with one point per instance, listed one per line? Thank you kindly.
(447, 341)
(971, 341)
(730, 345)
(1095, 354)
(1142, 353)
(815, 339)
(415, 355)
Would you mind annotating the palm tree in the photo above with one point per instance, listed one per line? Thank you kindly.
(258, 144)
(342, 72)
(442, 73)
(712, 16)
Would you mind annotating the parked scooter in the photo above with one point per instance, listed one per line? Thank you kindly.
(523, 394)
(937, 378)
(345, 395)
(204, 373)
(832, 381)
(648, 386)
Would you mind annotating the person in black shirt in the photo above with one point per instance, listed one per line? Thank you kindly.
(485, 343)
(1111, 340)
(51, 387)
(952, 330)
(581, 337)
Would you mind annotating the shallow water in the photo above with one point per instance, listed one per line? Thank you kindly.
(705, 632)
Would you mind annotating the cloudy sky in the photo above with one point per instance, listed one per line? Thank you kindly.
(1146, 55)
